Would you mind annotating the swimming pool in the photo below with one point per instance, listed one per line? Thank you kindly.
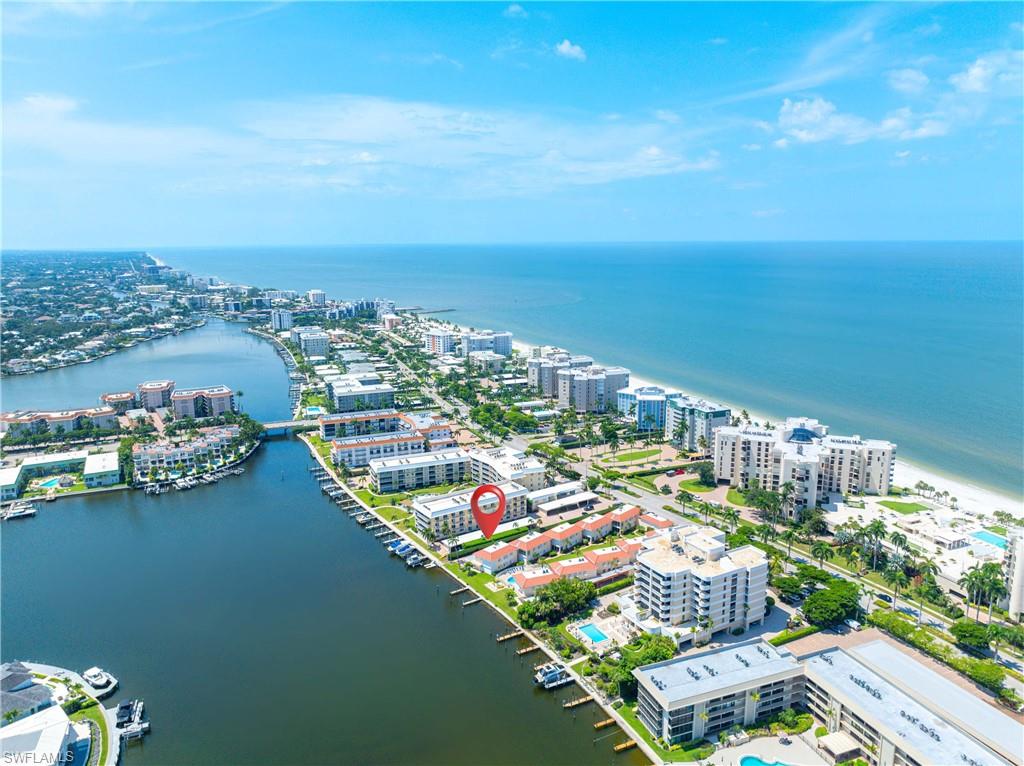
(594, 633)
(990, 537)
(50, 483)
(753, 760)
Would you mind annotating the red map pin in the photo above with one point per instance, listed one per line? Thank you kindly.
(487, 522)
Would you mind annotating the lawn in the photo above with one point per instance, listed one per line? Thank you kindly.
(478, 582)
(997, 530)
(322, 447)
(440, 489)
(392, 513)
(672, 756)
(95, 714)
(736, 497)
(643, 482)
(899, 507)
(629, 457)
(378, 501)
(694, 485)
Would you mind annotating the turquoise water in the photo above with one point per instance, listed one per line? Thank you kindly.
(50, 482)
(753, 760)
(593, 632)
(990, 537)
(886, 340)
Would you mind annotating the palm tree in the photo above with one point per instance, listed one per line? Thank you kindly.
(997, 635)
(786, 493)
(994, 587)
(702, 444)
(765, 531)
(683, 497)
(706, 507)
(897, 580)
(972, 582)
(789, 537)
(679, 432)
(898, 540)
(875, 531)
(869, 593)
(925, 567)
(732, 517)
(821, 551)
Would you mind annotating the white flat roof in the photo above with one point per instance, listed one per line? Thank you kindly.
(104, 462)
(674, 682)
(56, 457)
(957, 704)
(415, 461)
(564, 502)
(922, 731)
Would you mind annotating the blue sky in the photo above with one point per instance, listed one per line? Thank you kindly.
(148, 124)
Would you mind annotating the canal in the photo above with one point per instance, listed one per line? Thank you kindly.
(260, 624)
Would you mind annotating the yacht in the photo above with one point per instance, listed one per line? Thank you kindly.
(19, 510)
(551, 675)
(100, 680)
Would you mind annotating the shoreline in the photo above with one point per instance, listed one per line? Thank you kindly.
(971, 498)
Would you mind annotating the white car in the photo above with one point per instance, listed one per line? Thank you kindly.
(852, 624)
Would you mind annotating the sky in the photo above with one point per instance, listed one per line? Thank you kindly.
(151, 124)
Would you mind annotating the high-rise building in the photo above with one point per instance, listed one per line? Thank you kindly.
(591, 389)
(542, 371)
(486, 340)
(492, 466)
(154, 394)
(281, 319)
(1013, 571)
(317, 297)
(645, 405)
(701, 418)
(802, 452)
(438, 342)
(687, 579)
(210, 401)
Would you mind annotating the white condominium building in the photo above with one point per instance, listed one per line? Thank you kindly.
(451, 514)
(697, 696)
(358, 451)
(688, 586)
(591, 389)
(486, 340)
(281, 319)
(430, 426)
(502, 464)
(701, 417)
(350, 395)
(210, 447)
(295, 333)
(121, 401)
(314, 343)
(202, 402)
(154, 394)
(51, 421)
(1013, 571)
(439, 342)
(317, 297)
(542, 371)
(401, 474)
(645, 406)
(802, 452)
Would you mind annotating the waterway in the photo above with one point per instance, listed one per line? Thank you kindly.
(260, 624)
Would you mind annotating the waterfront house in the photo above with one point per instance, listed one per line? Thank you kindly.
(526, 583)
(532, 546)
(579, 568)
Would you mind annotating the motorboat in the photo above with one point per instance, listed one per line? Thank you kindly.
(100, 680)
(551, 675)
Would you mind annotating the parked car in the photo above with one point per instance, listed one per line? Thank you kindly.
(884, 597)
(852, 624)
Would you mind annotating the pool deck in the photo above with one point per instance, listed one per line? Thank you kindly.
(797, 753)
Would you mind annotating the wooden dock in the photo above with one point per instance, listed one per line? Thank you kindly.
(578, 701)
(510, 636)
(604, 723)
(527, 650)
(628, 744)
(457, 591)
(472, 601)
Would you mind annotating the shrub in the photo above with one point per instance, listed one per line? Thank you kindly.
(611, 587)
(737, 631)
(792, 635)
(821, 731)
(970, 634)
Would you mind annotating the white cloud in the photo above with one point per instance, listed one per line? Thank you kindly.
(349, 142)
(814, 120)
(515, 11)
(752, 147)
(768, 212)
(903, 154)
(782, 143)
(999, 68)
(718, 41)
(666, 115)
(570, 50)
(911, 81)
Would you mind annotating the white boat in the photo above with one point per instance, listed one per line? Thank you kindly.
(100, 680)
(551, 675)
(19, 511)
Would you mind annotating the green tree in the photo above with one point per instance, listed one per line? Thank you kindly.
(822, 551)
(970, 634)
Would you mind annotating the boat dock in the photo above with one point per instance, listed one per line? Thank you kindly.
(527, 650)
(604, 723)
(457, 591)
(510, 636)
(627, 745)
(578, 701)
(472, 601)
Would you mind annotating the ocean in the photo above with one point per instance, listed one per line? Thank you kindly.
(919, 343)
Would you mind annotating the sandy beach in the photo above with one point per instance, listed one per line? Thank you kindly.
(971, 498)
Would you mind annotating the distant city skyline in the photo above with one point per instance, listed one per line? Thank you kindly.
(149, 124)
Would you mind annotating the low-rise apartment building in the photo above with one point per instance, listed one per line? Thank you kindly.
(433, 428)
(451, 514)
(358, 451)
(354, 396)
(802, 451)
(566, 536)
(500, 464)
(29, 422)
(210, 401)
(701, 417)
(495, 558)
(401, 474)
(211, 447)
(120, 401)
(314, 343)
(532, 546)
